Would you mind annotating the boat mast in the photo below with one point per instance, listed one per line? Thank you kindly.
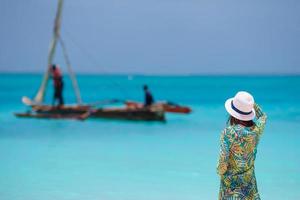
(56, 37)
(41, 92)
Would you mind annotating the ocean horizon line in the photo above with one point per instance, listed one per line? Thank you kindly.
(159, 74)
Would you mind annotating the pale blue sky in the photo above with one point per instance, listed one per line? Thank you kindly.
(155, 36)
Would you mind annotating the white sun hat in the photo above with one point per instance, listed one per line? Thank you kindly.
(241, 106)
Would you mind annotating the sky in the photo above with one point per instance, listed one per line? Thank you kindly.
(154, 36)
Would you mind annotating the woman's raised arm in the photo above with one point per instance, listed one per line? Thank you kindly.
(261, 118)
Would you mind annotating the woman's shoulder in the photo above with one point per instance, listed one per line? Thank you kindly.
(233, 128)
(230, 131)
(236, 131)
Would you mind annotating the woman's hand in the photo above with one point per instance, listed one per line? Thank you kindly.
(258, 110)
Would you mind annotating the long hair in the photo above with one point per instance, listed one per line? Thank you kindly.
(234, 121)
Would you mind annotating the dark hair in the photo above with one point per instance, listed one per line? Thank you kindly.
(145, 87)
(54, 66)
(235, 121)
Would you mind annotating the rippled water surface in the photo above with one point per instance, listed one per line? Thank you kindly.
(121, 160)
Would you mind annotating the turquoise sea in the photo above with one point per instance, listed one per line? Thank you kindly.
(122, 160)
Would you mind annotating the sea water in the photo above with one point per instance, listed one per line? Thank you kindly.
(124, 160)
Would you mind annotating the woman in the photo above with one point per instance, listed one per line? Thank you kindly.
(238, 148)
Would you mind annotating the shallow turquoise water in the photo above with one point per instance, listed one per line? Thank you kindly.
(120, 160)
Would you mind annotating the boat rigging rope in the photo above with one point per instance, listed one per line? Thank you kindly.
(94, 62)
(71, 73)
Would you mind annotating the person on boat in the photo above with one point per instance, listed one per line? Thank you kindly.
(239, 142)
(58, 85)
(149, 100)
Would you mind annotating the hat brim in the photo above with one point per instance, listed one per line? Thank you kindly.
(237, 115)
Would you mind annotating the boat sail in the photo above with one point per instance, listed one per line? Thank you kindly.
(80, 110)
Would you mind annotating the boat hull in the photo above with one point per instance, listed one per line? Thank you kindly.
(83, 112)
(172, 108)
(130, 114)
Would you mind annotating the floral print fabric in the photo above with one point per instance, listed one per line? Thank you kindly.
(237, 156)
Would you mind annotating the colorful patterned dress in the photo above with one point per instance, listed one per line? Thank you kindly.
(237, 156)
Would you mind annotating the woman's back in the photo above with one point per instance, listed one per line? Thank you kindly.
(243, 149)
(239, 142)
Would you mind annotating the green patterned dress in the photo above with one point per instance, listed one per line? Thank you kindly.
(237, 156)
